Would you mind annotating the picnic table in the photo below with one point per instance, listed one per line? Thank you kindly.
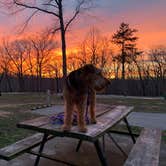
(107, 117)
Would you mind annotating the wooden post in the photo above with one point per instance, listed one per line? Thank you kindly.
(48, 99)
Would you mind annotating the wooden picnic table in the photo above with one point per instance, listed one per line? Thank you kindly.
(107, 117)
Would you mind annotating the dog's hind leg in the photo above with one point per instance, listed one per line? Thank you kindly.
(68, 115)
(81, 117)
(92, 98)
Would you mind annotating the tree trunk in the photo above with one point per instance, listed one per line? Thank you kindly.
(1, 81)
(21, 82)
(123, 67)
(57, 82)
(140, 78)
(123, 63)
(9, 83)
(63, 40)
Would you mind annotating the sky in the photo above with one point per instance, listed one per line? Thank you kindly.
(148, 16)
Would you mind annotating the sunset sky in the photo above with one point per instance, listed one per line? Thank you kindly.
(148, 16)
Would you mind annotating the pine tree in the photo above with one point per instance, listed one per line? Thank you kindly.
(125, 38)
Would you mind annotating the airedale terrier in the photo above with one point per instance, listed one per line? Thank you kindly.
(75, 91)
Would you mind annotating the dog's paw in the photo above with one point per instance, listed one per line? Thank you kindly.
(93, 121)
(84, 129)
(66, 128)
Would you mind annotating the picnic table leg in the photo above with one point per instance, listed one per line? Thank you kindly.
(41, 149)
(103, 141)
(117, 145)
(79, 145)
(100, 153)
(129, 129)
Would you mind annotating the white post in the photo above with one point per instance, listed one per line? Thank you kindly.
(48, 100)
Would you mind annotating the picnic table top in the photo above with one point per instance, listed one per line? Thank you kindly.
(107, 117)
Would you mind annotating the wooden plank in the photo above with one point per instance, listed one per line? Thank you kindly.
(43, 120)
(110, 119)
(11, 151)
(35, 122)
(104, 123)
(146, 150)
(103, 108)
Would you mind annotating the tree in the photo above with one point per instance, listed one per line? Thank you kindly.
(4, 68)
(16, 53)
(53, 8)
(57, 73)
(95, 49)
(93, 44)
(43, 48)
(157, 58)
(29, 57)
(125, 38)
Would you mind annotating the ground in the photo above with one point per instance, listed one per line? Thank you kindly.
(87, 156)
(17, 107)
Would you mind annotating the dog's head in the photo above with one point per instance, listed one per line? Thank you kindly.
(94, 77)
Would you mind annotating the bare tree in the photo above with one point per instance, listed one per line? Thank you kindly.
(95, 49)
(158, 68)
(4, 68)
(43, 49)
(116, 66)
(16, 53)
(29, 56)
(158, 59)
(93, 44)
(53, 8)
(55, 66)
(105, 52)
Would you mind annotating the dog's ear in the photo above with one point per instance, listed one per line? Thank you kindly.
(89, 68)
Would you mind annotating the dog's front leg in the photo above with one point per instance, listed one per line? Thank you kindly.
(68, 116)
(92, 98)
(81, 117)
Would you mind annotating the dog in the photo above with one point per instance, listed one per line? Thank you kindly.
(76, 87)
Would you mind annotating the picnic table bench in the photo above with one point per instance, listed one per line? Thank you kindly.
(146, 150)
(24, 145)
(107, 117)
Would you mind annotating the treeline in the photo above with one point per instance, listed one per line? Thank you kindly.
(29, 61)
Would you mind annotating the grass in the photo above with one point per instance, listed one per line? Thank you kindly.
(140, 105)
(9, 133)
(122, 128)
(164, 136)
(19, 105)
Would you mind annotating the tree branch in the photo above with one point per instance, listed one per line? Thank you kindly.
(35, 7)
(49, 4)
(53, 30)
(71, 20)
(25, 24)
(57, 2)
(77, 11)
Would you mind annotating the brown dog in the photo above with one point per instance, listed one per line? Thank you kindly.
(75, 92)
